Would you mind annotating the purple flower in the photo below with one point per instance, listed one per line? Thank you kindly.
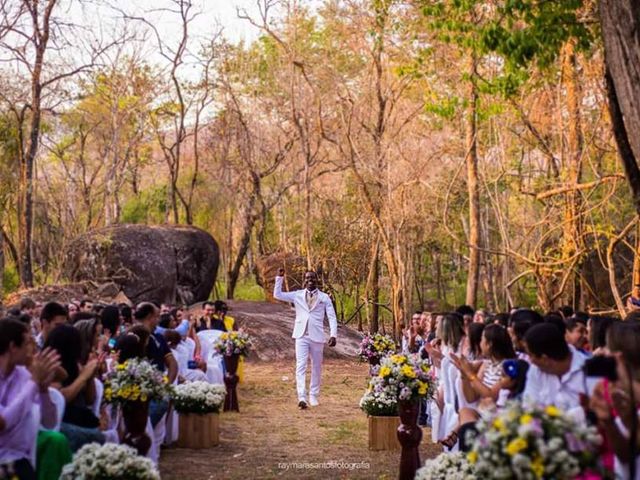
(573, 443)
(535, 427)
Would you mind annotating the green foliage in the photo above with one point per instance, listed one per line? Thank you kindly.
(11, 279)
(246, 289)
(521, 32)
(148, 207)
(346, 306)
(445, 108)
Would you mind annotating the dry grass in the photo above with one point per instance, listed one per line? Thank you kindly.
(270, 430)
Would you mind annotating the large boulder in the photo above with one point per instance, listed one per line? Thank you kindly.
(167, 263)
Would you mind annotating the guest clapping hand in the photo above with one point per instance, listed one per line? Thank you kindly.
(22, 391)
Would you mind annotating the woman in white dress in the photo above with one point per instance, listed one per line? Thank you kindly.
(444, 411)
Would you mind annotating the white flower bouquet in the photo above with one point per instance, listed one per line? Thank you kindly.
(379, 400)
(198, 397)
(233, 343)
(530, 443)
(408, 377)
(135, 380)
(109, 462)
(447, 466)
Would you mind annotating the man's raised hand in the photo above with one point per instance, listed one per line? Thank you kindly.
(332, 342)
(281, 272)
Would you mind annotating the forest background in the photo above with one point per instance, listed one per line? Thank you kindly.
(421, 154)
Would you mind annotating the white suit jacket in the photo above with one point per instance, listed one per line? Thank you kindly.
(314, 318)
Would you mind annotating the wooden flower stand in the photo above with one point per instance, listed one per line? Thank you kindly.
(199, 430)
(231, 382)
(383, 433)
(409, 434)
(135, 415)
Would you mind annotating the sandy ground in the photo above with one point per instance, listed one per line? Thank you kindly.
(272, 438)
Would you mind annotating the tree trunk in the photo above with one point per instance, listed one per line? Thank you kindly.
(372, 290)
(440, 293)
(635, 291)
(487, 276)
(243, 248)
(620, 23)
(174, 199)
(613, 242)
(472, 187)
(572, 230)
(27, 160)
(307, 216)
(25, 224)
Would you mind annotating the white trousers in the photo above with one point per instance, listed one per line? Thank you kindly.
(305, 347)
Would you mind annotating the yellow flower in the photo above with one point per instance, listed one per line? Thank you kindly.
(385, 371)
(407, 371)
(552, 411)
(472, 457)
(122, 366)
(498, 424)
(143, 398)
(537, 467)
(398, 358)
(516, 446)
(526, 419)
(422, 388)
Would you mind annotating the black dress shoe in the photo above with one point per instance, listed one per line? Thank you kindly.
(302, 405)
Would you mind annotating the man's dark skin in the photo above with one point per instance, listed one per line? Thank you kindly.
(311, 284)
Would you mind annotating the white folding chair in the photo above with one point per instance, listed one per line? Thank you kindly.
(58, 400)
(181, 355)
(190, 344)
(99, 394)
(215, 371)
(154, 450)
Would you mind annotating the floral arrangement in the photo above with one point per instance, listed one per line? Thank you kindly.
(233, 343)
(135, 380)
(109, 462)
(529, 442)
(379, 400)
(408, 377)
(447, 466)
(374, 347)
(198, 397)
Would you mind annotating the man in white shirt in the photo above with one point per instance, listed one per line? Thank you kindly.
(24, 395)
(311, 306)
(556, 376)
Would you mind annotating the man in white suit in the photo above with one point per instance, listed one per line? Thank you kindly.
(311, 306)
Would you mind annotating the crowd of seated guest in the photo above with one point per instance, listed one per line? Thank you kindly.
(483, 360)
(52, 361)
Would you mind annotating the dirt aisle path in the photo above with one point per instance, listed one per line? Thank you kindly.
(270, 435)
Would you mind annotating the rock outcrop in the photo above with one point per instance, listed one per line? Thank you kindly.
(165, 264)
